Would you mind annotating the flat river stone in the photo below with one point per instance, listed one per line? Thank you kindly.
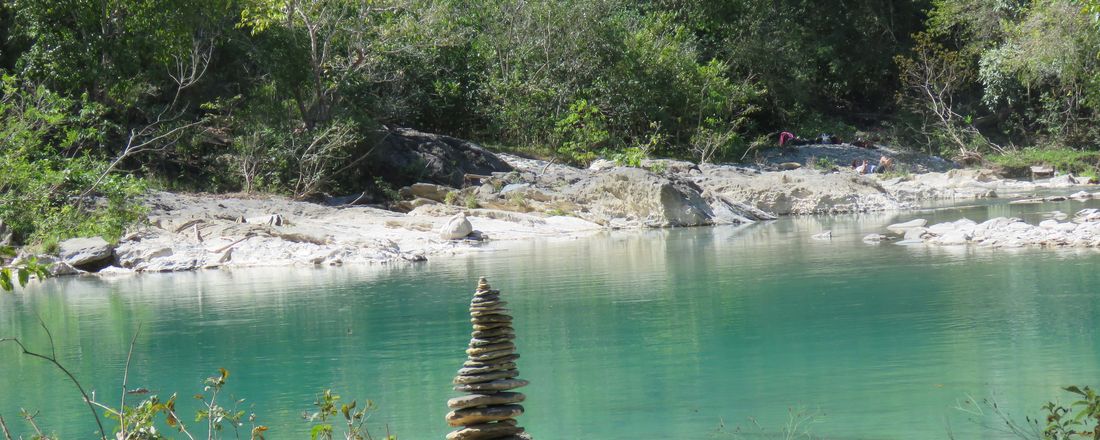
(491, 318)
(481, 299)
(488, 305)
(494, 311)
(485, 431)
(496, 385)
(490, 355)
(488, 369)
(475, 342)
(470, 416)
(492, 333)
(492, 325)
(478, 378)
(472, 351)
(473, 400)
(492, 362)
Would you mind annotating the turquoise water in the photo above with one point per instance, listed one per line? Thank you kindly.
(670, 334)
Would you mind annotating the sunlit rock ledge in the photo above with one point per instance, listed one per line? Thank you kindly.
(1083, 230)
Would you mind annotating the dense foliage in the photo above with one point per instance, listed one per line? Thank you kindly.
(291, 96)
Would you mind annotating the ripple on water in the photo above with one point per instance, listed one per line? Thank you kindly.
(654, 334)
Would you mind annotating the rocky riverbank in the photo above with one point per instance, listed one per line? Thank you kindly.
(526, 199)
(1082, 230)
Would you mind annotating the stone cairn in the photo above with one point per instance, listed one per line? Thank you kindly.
(489, 410)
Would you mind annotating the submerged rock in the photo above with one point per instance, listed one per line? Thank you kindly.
(827, 235)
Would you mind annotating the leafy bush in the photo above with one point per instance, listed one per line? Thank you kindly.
(52, 185)
(583, 132)
(1079, 420)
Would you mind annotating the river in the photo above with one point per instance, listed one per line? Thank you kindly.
(702, 333)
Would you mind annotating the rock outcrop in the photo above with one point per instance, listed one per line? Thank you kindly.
(405, 156)
(631, 197)
(490, 408)
(797, 192)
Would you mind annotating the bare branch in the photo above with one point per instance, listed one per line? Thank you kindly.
(53, 360)
(4, 427)
(125, 378)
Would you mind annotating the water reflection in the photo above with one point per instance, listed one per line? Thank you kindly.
(652, 334)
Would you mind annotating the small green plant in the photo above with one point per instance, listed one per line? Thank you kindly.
(388, 191)
(517, 199)
(328, 407)
(21, 273)
(471, 201)
(629, 157)
(1079, 420)
(451, 197)
(659, 168)
(824, 164)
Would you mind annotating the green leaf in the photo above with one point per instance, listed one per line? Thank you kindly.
(24, 276)
(1074, 389)
(318, 430)
(5, 280)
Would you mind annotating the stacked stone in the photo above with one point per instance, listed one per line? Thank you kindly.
(489, 409)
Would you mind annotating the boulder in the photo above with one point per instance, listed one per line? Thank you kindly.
(915, 233)
(405, 156)
(1041, 171)
(952, 238)
(636, 197)
(1062, 181)
(90, 254)
(900, 228)
(428, 191)
(456, 227)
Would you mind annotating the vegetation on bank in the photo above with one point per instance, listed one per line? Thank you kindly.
(99, 100)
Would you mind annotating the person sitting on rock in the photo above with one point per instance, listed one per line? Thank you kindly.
(861, 168)
(785, 137)
(885, 164)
